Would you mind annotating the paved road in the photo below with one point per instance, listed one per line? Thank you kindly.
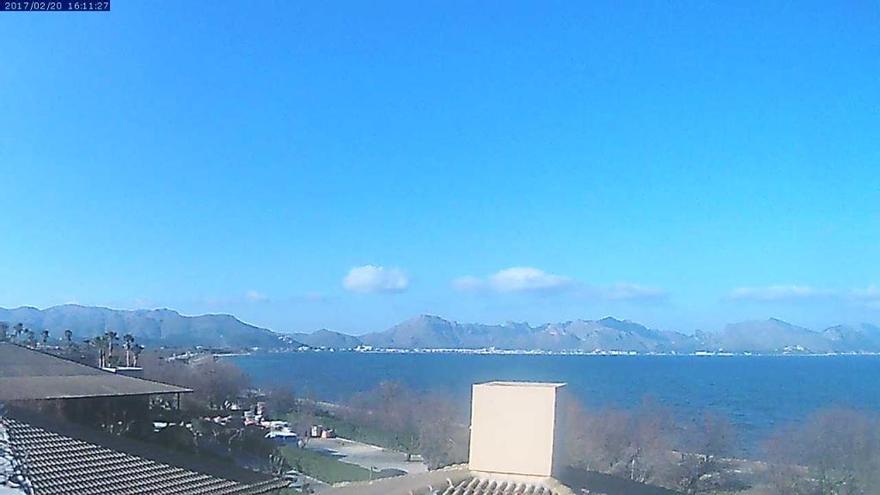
(365, 455)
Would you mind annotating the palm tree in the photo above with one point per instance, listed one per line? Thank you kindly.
(100, 343)
(137, 352)
(68, 337)
(128, 340)
(44, 335)
(18, 329)
(111, 336)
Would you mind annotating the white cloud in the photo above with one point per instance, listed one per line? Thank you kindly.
(375, 279)
(631, 292)
(515, 279)
(527, 279)
(779, 293)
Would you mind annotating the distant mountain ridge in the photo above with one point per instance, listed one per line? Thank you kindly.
(771, 336)
(327, 339)
(767, 336)
(853, 338)
(433, 332)
(170, 328)
(153, 326)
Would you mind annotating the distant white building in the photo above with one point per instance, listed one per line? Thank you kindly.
(283, 436)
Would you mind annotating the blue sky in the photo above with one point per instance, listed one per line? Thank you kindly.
(345, 165)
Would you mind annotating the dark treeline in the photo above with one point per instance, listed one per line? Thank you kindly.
(832, 452)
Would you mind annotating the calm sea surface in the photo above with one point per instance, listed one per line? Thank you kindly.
(757, 394)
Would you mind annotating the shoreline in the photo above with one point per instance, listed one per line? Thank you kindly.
(514, 352)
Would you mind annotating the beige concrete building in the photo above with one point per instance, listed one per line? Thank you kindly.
(515, 428)
(515, 447)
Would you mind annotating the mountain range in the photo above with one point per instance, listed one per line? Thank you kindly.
(771, 336)
(170, 328)
(153, 326)
(327, 339)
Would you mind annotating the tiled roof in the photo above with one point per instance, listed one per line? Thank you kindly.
(453, 481)
(28, 374)
(488, 486)
(57, 464)
(12, 479)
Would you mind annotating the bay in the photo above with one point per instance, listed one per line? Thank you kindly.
(758, 394)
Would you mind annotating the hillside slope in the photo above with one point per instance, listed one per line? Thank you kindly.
(155, 326)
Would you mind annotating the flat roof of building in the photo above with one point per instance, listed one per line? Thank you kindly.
(29, 374)
(520, 384)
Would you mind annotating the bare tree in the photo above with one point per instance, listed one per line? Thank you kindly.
(215, 383)
(636, 445)
(225, 382)
(305, 415)
(428, 424)
(701, 466)
(599, 440)
(651, 441)
(835, 452)
(443, 432)
(280, 401)
(390, 408)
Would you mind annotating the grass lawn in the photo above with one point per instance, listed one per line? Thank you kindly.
(323, 467)
(352, 431)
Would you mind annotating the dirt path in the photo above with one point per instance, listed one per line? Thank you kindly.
(365, 455)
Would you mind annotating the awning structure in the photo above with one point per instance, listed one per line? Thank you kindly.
(28, 374)
(57, 457)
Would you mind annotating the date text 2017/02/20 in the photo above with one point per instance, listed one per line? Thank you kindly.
(54, 5)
